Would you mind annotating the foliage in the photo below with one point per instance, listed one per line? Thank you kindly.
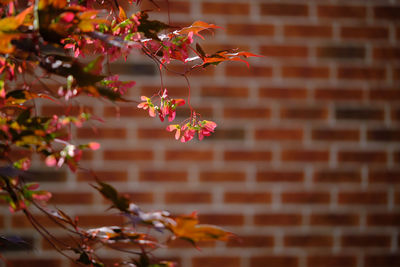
(46, 40)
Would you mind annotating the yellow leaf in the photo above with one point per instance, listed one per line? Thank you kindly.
(12, 23)
(122, 14)
(86, 26)
(5, 42)
(59, 4)
(187, 227)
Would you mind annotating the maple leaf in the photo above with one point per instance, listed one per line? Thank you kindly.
(187, 227)
(227, 55)
(197, 27)
(8, 28)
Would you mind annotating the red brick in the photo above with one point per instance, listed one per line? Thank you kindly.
(278, 219)
(222, 219)
(304, 113)
(71, 198)
(386, 53)
(154, 133)
(187, 197)
(227, 134)
(383, 219)
(366, 240)
(303, 155)
(241, 155)
(225, 8)
(341, 12)
(362, 156)
(395, 114)
(215, 261)
(278, 9)
(341, 52)
(305, 72)
(334, 219)
(373, 32)
(398, 33)
(283, 93)
(384, 95)
(20, 221)
(131, 155)
(93, 220)
(337, 176)
(124, 111)
(384, 176)
(331, 261)
(103, 176)
(331, 135)
(397, 198)
(102, 133)
(305, 197)
(334, 94)
(253, 71)
(67, 240)
(308, 31)
(248, 241)
(189, 155)
(284, 51)
(310, 240)
(383, 135)
(240, 113)
(274, 261)
(247, 197)
(48, 176)
(247, 29)
(222, 176)
(281, 134)
(387, 12)
(361, 73)
(382, 260)
(163, 176)
(359, 113)
(280, 176)
(362, 198)
(224, 92)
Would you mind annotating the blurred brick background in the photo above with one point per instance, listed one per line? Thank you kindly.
(304, 166)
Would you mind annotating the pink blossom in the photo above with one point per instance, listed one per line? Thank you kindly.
(42, 196)
(188, 134)
(51, 161)
(94, 145)
(67, 16)
(176, 127)
(147, 105)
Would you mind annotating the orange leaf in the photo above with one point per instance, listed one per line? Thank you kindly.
(187, 227)
(12, 23)
(59, 4)
(228, 55)
(5, 42)
(197, 27)
(122, 14)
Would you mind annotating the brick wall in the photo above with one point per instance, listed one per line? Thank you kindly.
(304, 166)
